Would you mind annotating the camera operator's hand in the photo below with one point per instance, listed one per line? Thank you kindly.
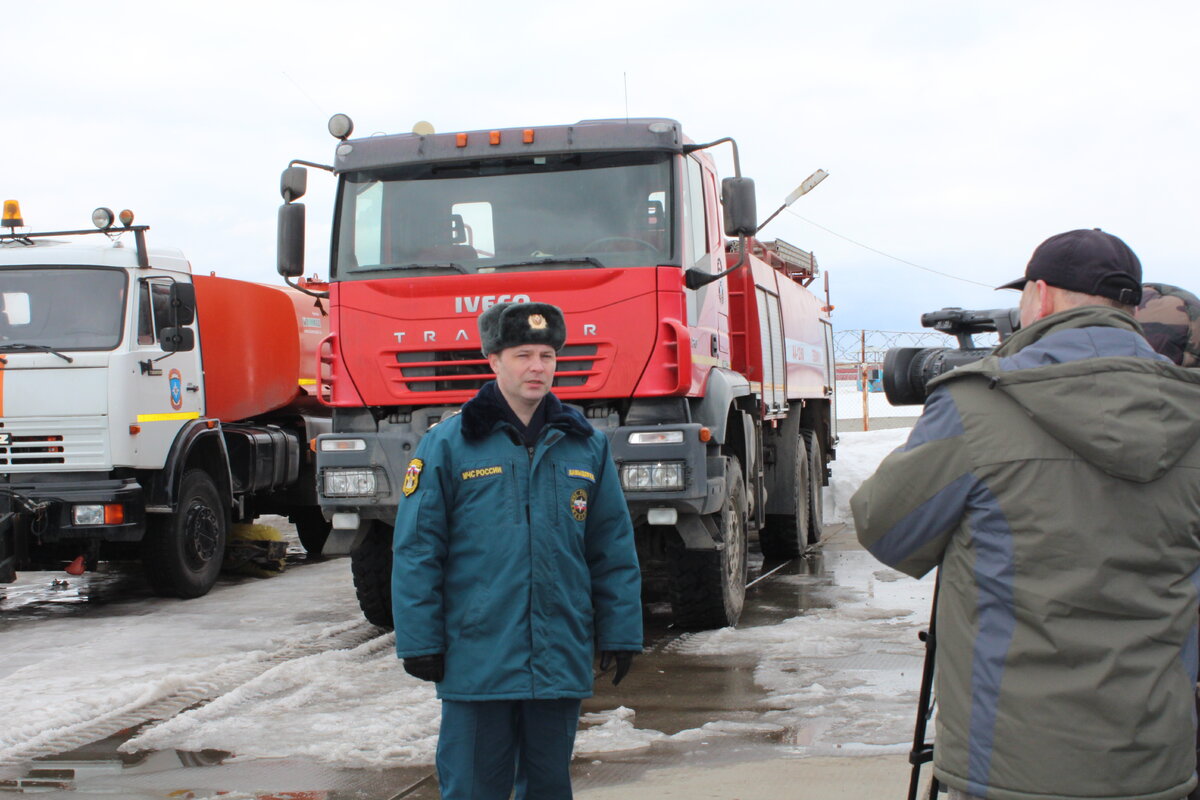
(623, 659)
(427, 668)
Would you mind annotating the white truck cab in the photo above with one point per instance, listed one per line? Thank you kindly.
(106, 444)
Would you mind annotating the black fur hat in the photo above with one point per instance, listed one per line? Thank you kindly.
(511, 324)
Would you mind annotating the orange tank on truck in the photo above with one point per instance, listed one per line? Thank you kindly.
(145, 411)
(258, 345)
(693, 343)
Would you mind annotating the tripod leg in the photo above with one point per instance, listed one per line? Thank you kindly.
(922, 752)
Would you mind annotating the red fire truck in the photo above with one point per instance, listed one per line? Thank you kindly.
(707, 364)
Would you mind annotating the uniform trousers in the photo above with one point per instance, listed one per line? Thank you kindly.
(485, 746)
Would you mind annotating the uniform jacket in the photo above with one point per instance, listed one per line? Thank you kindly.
(1057, 482)
(517, 567)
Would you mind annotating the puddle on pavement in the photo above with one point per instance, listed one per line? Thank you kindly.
(99, 770)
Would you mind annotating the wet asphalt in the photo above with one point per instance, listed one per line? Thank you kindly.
(671, 688)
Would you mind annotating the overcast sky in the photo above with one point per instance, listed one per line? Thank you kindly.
(957, 135)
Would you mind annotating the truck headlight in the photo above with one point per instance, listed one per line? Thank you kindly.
(343, 445)
(350, 483)
(656, 437)
(652, 476)
(107, 514)
(87, 515)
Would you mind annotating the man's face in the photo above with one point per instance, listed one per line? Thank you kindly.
(524, 373)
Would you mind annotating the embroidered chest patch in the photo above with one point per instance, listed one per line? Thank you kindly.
(482, 472)
(412, 476)
(579, 504)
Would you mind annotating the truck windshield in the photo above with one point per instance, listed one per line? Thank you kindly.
(61, 308)
(572, 211)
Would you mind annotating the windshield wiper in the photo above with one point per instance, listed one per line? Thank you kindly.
(537, 262)
(41, 348)
(431, 265)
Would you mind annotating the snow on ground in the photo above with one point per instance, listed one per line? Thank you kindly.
(262, 648)
(843, 678)
(858, 454)
(286, 667)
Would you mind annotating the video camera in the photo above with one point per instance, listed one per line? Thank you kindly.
(907, 371)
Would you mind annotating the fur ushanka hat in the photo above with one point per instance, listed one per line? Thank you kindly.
(511, 324)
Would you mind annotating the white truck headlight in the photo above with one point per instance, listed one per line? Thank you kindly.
(652, 476)
(87, 515)
(350, 483)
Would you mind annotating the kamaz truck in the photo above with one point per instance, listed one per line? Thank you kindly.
(145, 408)
(706, 362)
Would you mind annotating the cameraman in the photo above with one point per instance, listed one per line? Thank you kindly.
(1067, 612)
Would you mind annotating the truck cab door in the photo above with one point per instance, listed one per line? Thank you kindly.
(165, 390)
(708, 306)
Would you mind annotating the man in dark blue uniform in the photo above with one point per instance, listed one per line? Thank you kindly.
(514, 564)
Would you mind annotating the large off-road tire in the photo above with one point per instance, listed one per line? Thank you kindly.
(785, 536)
(708, 587)
(371, 566)
(183, 551)
(312, 528)
(816, 480)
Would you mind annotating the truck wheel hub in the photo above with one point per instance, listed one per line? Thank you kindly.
(201, 534)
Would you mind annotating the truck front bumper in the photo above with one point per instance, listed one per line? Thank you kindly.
(55, 499)
(360, 477)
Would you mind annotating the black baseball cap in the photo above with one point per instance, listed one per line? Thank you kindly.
(1088, 261)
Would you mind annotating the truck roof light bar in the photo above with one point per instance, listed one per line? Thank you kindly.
(102, 218)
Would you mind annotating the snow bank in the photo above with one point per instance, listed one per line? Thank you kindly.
(858, 455)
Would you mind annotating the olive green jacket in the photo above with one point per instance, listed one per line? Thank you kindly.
(1057, 484)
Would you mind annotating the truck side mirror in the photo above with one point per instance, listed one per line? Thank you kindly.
(293, 183)
(741, 213)
(182, 304)
(177, 340)
(291, 240)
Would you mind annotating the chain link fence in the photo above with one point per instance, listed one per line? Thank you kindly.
(859, 354)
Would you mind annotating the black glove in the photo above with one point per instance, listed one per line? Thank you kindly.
(427, 668)
(624, 659)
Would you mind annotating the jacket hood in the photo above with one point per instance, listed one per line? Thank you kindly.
(1089, 379)
(482, 412)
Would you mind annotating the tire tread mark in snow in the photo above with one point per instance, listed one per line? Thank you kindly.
(216, 683)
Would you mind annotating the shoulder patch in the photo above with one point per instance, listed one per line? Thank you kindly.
(412, 476)
(581, 473)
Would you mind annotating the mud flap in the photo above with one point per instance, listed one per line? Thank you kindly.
(699, 532)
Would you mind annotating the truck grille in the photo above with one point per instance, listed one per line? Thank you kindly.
(468, 370)
(39, 443)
